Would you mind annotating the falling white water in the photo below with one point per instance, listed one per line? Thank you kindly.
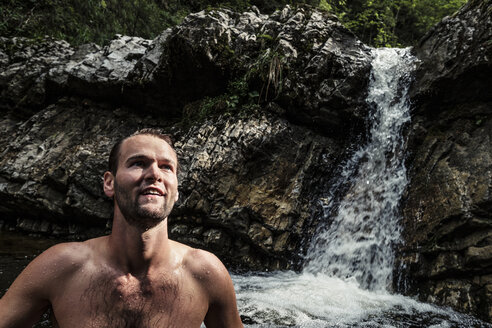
(360, 239)
(350, 263)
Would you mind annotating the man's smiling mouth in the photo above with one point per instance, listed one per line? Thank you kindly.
(152, 192)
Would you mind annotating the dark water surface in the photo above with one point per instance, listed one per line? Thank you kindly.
(16, 251)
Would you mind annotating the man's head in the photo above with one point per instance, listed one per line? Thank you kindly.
(142, 178)
(115, 151)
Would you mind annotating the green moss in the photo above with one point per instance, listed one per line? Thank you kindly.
(325, 6)
(239, 100)
(223, 49)
(266, 37)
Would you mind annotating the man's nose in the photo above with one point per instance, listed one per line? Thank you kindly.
(153, 173)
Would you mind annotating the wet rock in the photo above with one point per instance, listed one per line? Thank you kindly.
(448, 204)
(447, 210)
(102, 74)
(25, 65)
(51, 166)
(455, 56)
(251, 179)
(480, 255)
(37, 72)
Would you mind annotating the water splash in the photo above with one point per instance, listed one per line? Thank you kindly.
(290, 299)
(360, 240)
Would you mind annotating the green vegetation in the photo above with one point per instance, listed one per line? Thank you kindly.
(376, 22)
(260, 83)
(86, 21)
(384, 23)
(237, 101)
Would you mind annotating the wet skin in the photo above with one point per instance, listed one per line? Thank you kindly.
(135, 277)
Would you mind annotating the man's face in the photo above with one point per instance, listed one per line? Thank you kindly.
(146, 184)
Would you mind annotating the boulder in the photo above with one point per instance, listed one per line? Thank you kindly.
(301, 59)
(24, 67)
(249, 184)
(245, 184)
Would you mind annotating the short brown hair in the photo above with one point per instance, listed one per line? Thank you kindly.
(114, 154)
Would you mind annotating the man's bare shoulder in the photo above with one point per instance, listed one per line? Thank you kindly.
(68, 256)
(206, 269)
(211, 274)
(47, 273)
(72, 250)
(199, 262)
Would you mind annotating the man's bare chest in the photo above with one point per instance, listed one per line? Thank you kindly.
(112, 301)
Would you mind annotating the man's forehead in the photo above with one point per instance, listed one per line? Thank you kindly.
(146, 145)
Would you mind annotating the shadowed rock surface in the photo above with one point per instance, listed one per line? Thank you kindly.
(448, 208)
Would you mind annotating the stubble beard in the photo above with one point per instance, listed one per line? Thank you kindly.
(137, 216)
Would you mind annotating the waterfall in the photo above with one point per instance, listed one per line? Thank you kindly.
(349, 263)
(360, 240)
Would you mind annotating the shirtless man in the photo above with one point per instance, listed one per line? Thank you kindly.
(135, 277)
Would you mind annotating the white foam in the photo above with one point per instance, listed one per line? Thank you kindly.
(282, 299)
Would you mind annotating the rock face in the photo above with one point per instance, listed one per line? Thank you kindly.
(455, 59)
(448, 207)
(249, 178)
(248, 187)
(304, 60)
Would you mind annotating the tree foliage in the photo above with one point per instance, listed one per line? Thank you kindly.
(376, 22)
(86, 21)
(391, 22)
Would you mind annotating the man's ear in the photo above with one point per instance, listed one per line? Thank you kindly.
(109, 184)
(177, 196)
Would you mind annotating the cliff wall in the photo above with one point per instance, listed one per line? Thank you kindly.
(447, 212)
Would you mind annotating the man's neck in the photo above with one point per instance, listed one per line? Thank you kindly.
(135, 251)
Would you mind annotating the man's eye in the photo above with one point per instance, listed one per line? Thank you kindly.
(138, 163)
(166, 167)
